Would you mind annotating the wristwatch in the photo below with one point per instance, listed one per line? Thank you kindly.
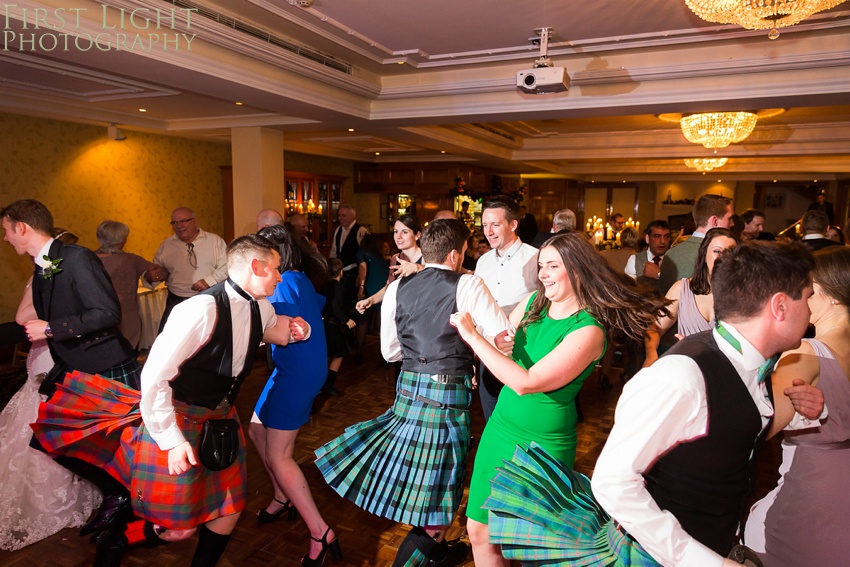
(47, 332)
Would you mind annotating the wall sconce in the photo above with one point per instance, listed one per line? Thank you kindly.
(115, 133)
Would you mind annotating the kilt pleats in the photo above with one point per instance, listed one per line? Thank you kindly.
(408, 464)
(98, 421)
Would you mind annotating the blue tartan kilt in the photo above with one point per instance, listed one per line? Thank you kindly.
(98, 420)
(542, 513)
(408, 464)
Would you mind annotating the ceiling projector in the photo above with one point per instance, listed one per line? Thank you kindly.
(543, 80)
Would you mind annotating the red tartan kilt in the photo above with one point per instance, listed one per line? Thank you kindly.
(98, 421)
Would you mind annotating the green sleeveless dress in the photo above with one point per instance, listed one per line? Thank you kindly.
(548, 418)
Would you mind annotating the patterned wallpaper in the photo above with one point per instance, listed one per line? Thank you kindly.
(84, 178)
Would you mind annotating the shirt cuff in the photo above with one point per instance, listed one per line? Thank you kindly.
(801, 422)
(698, 554)
(168, 439)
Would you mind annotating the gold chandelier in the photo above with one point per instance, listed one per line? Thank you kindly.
(705, 164)
(759, 14)
(718, 129)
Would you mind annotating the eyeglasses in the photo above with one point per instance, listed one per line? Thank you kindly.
(181, 222)
(193, 260)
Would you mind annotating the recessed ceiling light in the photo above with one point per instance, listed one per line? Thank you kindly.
(143, 110)
(444, 151)
(351, 129)
(377, 153)
(238, 103)
(401, 62)
(774, 180)
(814, 181)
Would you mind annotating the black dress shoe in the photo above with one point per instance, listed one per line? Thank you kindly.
(331, 391)
(111, 546)
(454, 553)
(112, 509)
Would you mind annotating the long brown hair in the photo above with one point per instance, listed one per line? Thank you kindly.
(600, 290)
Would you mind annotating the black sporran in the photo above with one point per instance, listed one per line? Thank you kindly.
(219, 443)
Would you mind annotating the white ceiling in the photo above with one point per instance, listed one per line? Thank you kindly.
(435, 81)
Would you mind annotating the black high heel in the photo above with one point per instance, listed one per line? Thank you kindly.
(265, 517)
(333, 547)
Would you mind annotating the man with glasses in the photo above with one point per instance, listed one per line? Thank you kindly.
(196, 260)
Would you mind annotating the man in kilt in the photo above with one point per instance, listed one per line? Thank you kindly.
(78, 313)
(678, 465)
(150, 442)
(408, 464)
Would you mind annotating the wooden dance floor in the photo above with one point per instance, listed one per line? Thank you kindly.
(367, 391)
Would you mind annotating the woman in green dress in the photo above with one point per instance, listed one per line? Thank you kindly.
(560, 337)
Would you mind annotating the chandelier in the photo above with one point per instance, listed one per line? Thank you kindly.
(759, 14)
(718, 129)
(705, 164)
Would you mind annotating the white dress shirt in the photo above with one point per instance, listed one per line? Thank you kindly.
(173, 255)
(510, 277)
(662, 406)
(630, 264)
(189, 327)
(472, 297)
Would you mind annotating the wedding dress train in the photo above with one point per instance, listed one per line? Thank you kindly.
(37, 496)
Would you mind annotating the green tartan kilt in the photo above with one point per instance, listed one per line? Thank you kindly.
(408, 464)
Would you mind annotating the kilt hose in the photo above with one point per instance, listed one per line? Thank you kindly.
(98, 421)
(408, 464)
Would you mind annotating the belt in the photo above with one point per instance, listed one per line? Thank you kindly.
(441, 378)
(427, 401)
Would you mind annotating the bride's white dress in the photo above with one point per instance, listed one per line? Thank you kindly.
(37, 497)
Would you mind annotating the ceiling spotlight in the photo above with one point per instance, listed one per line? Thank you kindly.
(115, 133)
(303, 3)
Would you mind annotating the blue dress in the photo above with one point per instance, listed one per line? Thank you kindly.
(300, 369)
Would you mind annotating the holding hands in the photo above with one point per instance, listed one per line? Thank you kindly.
(405, 268)
(299, 329)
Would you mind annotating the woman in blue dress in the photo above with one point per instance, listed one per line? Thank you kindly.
(287, 399)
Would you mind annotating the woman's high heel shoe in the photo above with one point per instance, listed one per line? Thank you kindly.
(267, 517)
(333, 547)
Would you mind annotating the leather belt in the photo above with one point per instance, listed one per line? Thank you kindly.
(427, 401)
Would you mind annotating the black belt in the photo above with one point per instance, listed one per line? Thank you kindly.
(427, 401)
(441, 378)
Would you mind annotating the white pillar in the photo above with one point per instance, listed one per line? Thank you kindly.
(257, 175)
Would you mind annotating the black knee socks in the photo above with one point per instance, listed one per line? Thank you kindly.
(210, 547)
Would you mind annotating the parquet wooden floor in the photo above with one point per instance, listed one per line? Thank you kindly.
(368, 390)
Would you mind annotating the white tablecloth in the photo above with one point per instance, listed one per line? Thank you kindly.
(151, 306)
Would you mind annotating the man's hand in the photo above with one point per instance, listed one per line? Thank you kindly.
(200, 285)
(806, 399)
(156, 274)
(181, 458)
(652, 270)
(504, 341)
(350, 323)
(35, 329)
(298, 329)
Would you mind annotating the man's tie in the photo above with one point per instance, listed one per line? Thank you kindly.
(256, 323)
(656, 259)
(766, 369)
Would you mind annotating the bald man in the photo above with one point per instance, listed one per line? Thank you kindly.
(196, 260)
(268, 217)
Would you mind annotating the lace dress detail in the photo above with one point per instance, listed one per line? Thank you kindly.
(37, 497)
